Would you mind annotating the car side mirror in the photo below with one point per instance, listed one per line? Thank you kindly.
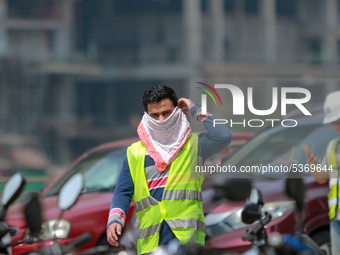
(233, 189)
(70, 191)
(252, 210)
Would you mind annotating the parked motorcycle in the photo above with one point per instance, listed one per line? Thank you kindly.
(251, 213)
(277, 244)
(68, 196)
(12, 190)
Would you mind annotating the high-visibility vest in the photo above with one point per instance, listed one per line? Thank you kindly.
(334, 184)
(181, 206)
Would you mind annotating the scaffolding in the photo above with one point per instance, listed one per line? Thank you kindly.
(22, 98)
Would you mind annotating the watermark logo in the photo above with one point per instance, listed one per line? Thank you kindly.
(239, 101)
(204, 97)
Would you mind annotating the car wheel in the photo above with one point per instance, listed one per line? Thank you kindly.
(323, 239)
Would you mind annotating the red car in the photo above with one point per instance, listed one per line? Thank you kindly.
(101, 167)
(276, 146)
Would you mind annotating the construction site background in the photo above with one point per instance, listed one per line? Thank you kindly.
(72, 72)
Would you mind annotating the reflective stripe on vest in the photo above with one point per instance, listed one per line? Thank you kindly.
(334, 194)
(173, 224)
(145, 203)
(149, 231)
(182, 195)
(169, 195)
(186, 223)
(181, 206)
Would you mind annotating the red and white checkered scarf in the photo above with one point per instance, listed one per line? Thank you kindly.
(164, 139)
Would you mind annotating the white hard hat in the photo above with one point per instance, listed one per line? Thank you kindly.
(331, 107)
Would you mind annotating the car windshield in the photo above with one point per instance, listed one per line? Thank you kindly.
(100, 169)
(278, 146)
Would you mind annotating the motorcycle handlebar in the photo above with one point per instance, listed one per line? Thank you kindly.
(81, 240)
(249, 236)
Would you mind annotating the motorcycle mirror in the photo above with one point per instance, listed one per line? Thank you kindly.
(256, 197)
(6, 241)
(33, 215)
(70, 191)
(251, 213)
(12, 189)
(295, 190)
(3, 229)
(233, 189)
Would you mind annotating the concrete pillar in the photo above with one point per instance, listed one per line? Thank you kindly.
(192, 31)
(3, 29)
(268, 12)
(107, 9)
(67, 99)
(217, 29)
(330, 51)
(302, 19)
(240, 9)
(110, 103)
(4, 105)
(302, 11)
(64, 151)
(64, 34)
(67, 114)
(241, 29)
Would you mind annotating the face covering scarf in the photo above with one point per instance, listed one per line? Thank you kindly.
(164, 139)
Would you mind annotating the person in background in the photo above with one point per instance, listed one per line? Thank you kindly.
(331, 160)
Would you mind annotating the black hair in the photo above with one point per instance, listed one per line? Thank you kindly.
(158, 93)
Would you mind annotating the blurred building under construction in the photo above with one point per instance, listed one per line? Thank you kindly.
(72, 72)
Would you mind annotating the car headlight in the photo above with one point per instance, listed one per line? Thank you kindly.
(47, 230)
(233, 218)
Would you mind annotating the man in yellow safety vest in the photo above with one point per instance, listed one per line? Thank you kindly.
(158, 171)
(331, 161)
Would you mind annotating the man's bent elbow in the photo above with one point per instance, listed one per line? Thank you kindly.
(226, 139)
